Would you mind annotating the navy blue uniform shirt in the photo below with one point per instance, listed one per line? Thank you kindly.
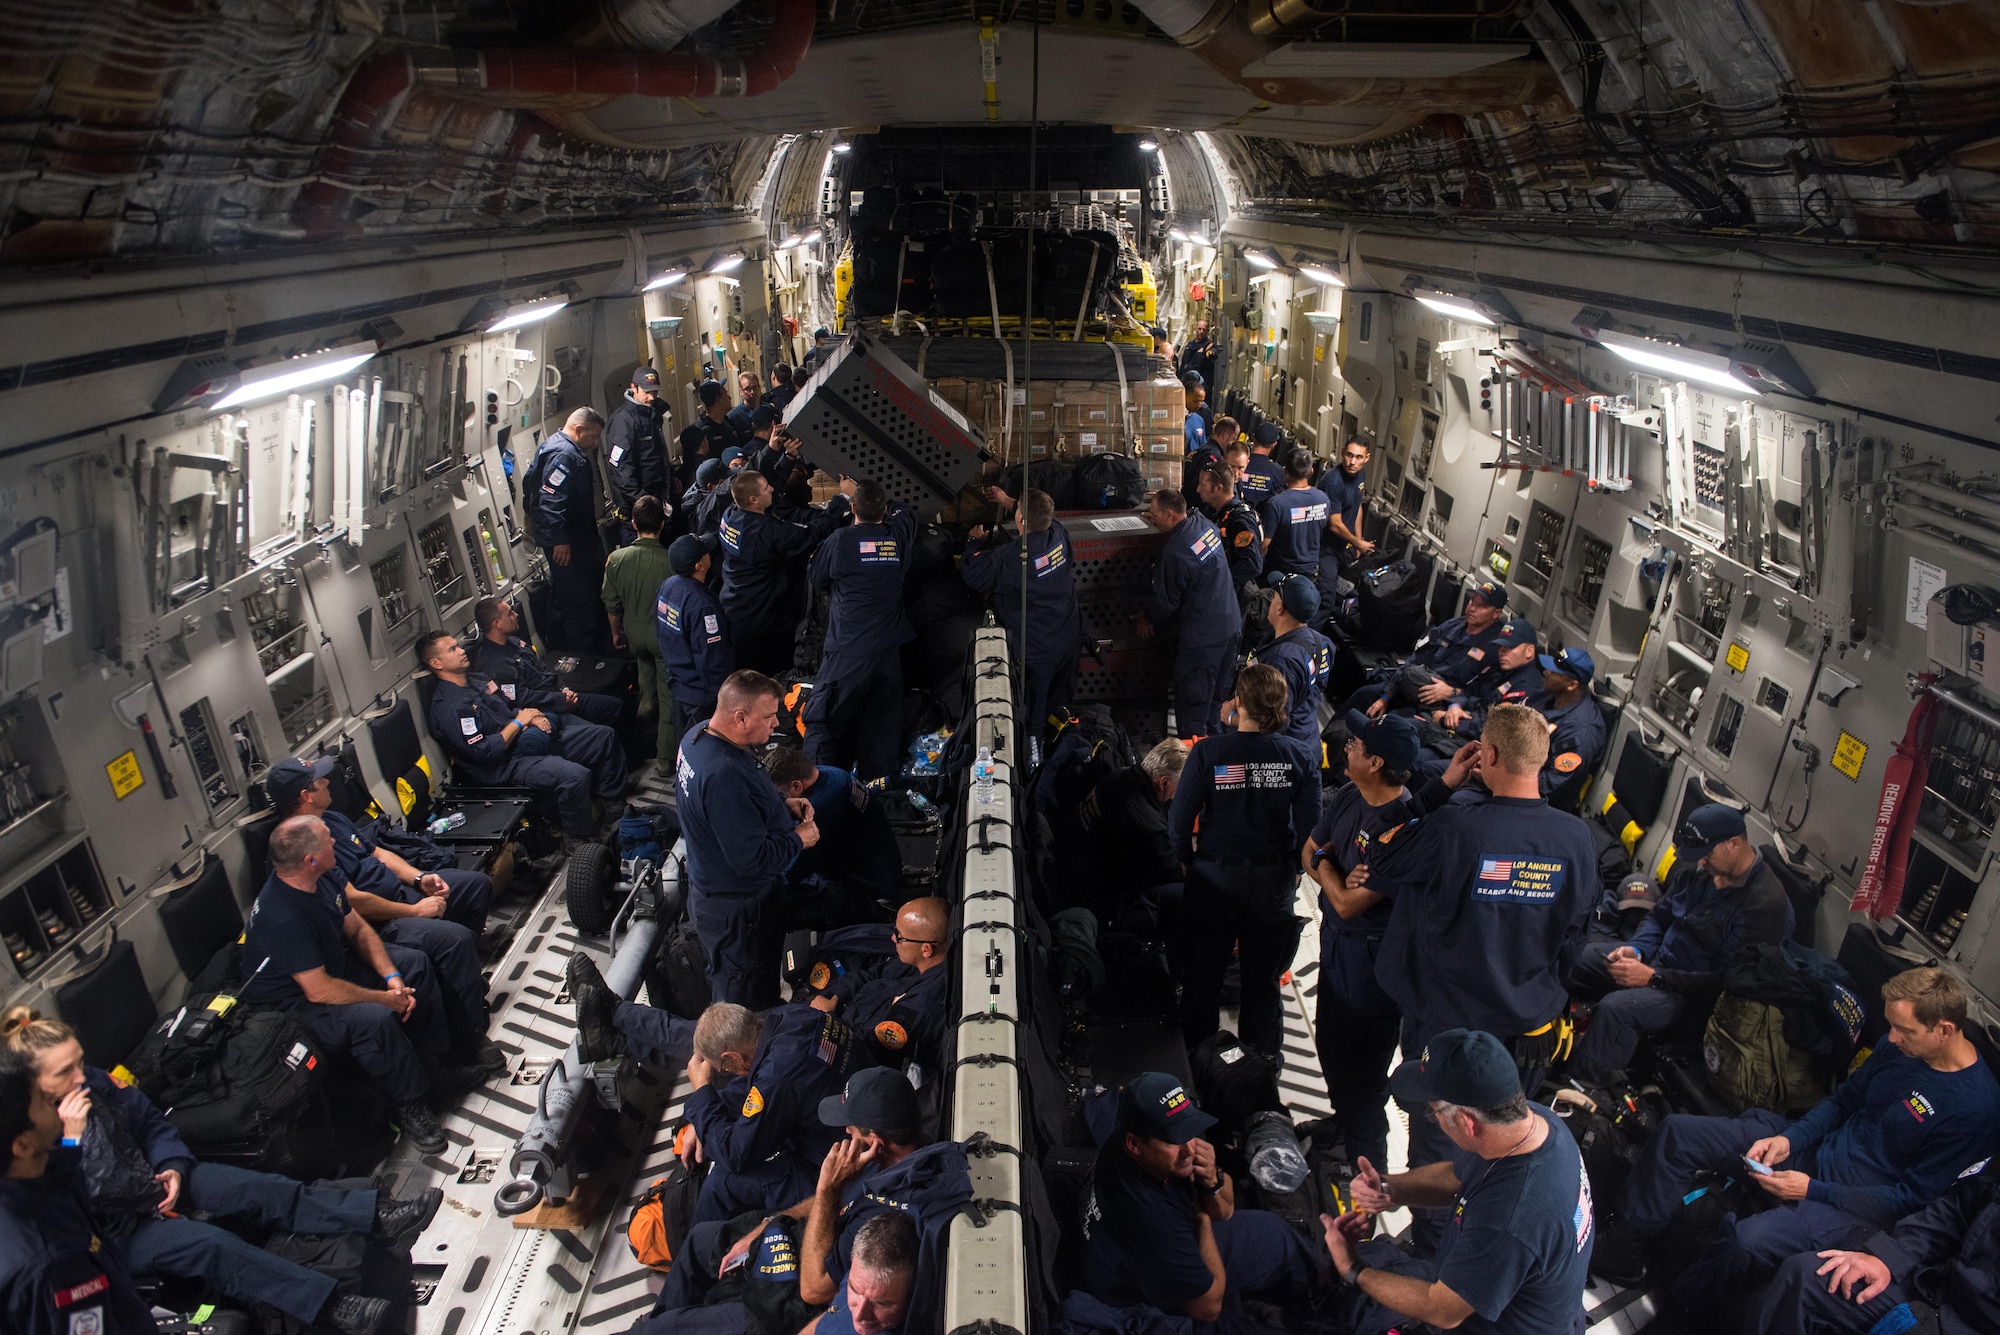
(468, 721)
(636, 451)
(1305, 657)
(693, 632)
(742, 420)
(355, 852)
(560, 510)
(802, 1056)
(855, 840)
(863, 566)
(1347, 830)
(1517, 1245)
(1295, 522)
(759, 554)
(1698, 927)
(1343, 493)
(297, 932)
(1454, 653)
(904, 1013)
(1263, 478)
(1055, 622)
(1242, 538)
(518, 673)
(1495, 687)
(57, 1276)
(739, 835)
(1140, 1244)
(1575, 747)
(1257, 795)
(1191, 590)
(1491, 897)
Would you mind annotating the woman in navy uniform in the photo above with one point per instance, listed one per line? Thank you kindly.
(1255, 793)
(1491, 899)
(1302, 654)
(1357, 1024)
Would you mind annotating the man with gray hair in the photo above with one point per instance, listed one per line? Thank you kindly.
(1517, 1254)
(562, 518)
(876, 1298)
(1119, 859)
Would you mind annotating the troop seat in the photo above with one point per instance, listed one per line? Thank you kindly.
(491, 813)
(109, 1006)
(201, 917)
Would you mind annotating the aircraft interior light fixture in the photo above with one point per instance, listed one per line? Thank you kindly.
(842, 146)
(1149, 145)
(522, 313)
(282, 377)
(1259, 259)
(1322, 275)
(722, 264)
(1483, 308)
(1682, 363)
(665, 279)
(812, 238)
(789, 243)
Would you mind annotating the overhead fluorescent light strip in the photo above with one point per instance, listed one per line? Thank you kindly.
(532, 312)
(315, 368)
(1458, 308)
(1674, 360)
(667, 279)
(1321, 275)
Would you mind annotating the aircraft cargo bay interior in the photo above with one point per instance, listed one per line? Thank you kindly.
(1131, 666)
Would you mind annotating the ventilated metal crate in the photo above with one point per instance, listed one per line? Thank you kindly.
(865, 413)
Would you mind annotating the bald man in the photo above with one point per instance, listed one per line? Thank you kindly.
(562, 516)
(903, 1010)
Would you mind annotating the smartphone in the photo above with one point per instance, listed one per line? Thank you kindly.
(736, 1261)
(1760, 1169)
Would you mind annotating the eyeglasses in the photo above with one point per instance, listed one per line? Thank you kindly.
(902, 940)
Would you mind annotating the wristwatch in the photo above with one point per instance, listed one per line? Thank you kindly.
(1352, 1275)
(1215, 1190)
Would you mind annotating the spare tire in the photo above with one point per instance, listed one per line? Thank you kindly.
(590, 888)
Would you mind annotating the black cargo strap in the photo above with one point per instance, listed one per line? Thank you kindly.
(980, 1145)
(986, 1325)
(989, 1017)
(982, 1209)
(997, 926)
(986, 1061)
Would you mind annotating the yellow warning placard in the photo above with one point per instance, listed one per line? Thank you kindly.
(1738, 658)
(1849, 754)
(125, 775)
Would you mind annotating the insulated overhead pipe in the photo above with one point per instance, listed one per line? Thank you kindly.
(553, 80)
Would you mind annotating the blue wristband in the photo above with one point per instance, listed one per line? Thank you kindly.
(387, 976)
(70, 1141)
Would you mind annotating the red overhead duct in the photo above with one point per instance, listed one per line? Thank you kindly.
(548, 80)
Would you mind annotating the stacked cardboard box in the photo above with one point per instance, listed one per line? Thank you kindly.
(1073, 418)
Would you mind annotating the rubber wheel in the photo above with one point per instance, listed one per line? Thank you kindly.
(590, 887)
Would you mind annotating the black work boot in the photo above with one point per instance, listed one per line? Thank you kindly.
(421, 1126)
(398, 1223)
(352, 1315)
(597, 1035)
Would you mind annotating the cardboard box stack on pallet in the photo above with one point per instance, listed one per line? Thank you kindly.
(1069, 419)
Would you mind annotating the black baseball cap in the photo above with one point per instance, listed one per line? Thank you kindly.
(1704, 828)
(1193, 380)
(764, 415)
(1493, 595)
(1267, 433)
(1392, 738)
(284, 781)
(1515, 631)
(822, 332)
(645, 378)
(1572, 662)
(1467, 1067)
(1154, 1104)
(879, 1098)
(684, 554)
(1300, 597)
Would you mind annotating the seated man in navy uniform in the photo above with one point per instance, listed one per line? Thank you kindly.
(1490, 897)
(1943, 1259)
(857, 866)
(415, 913)
(562, 519)
(1052, 635)
(1301, 654)
(1357, 1024)
(1192, 601)
(693, 633)
(56, 1275)
(1577, 743)
(1517, 1255)
(1891, 1139)
(306, 948)
(486, 736)
(854, 718)
(741, 836)
(168, 1242)
(1161, 1226)
(1445, 660)
(1514, 677)
(904, 1011)
(513, 665)
(1722, 899)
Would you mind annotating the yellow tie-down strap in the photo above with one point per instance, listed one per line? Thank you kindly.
(405, 794)
(1630, 832)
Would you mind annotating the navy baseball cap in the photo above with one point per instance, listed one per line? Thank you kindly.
(1267, 433)
(645, 378)
(1571, 662)
(1704, 828)
(684, 554)
(1493, 595)
(1154, 1104)
(822, 332)
(1300, 597)
(879, 1098)
(1515, 631)
(731, 455)
(1467, 1067)
(1392, 738)
(1193, 380)
(765, 415)
(711, 472)
(284, 781)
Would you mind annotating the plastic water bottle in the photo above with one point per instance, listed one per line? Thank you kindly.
(444, 823)
(1273, 1150)
(982, 777)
